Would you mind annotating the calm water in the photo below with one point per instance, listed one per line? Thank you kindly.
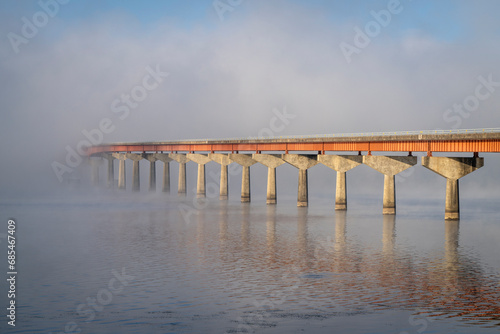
(124, 263)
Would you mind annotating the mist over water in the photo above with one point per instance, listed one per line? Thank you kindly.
(233, 267)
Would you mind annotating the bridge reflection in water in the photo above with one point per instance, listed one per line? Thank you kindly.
(300, 263)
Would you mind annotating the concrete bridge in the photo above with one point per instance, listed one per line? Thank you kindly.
(304, 152)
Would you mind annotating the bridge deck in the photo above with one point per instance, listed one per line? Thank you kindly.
(470, 140)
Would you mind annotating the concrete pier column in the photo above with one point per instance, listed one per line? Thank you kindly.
(452, 169)
(151, 157)
(201, 160)
(245, 160)
(111, 170)
(182, 160)
(95, 162)
(389, 199)
(121, 169)
(271, 161)
(152, 176)
(389, 166)
(302, 196)
(166, 178)
(201, 184)
(271, 197)
(452, 204)
(121, 175)
(223, 160)
(303, 162)
(245, 184)
(166, 170)
(136, 181)
(224, 185)
(341, 191)
(341, 164)
(182, 187)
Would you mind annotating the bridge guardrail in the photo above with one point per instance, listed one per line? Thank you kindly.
(360, 134)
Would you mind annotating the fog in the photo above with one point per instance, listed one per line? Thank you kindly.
(226, 78)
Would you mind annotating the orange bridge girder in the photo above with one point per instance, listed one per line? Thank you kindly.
(474, 142)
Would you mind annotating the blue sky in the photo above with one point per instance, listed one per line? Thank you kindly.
(441, 19)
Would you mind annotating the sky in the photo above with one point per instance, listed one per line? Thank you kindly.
(154, 71)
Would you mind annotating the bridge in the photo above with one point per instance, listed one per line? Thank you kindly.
(340, 152)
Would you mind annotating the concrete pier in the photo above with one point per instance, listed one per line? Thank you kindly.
(223, 160)
(166, 171)
(121, 169)
(303, 162)
(271, 161)
(111, 171)
(341, 164)
(182, 160)
(95, 162)
(389, 166)
(201, 160)
(452, 169)
(136, 181)
(245, 160)
(152, 170)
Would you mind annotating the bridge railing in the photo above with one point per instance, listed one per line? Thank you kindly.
(359, 134)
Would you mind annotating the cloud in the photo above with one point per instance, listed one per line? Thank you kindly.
(225, 78)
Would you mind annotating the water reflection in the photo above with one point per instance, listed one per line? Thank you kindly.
(271, 233)
(223, 231)
(245, 224)
(346, 272)
(388, 235)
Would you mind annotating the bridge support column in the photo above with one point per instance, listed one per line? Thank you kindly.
(245, 160)
(111, 170)
(224, 161)
(341, 164)
(245, 184)
(166, 177)
(152, 176)
(303, 195)
(95, 162)
(151, 157)
(201, 160)
(303, 162)
(121, 175)
(272, 196)
(389, 166)
(182, 160)
(271, 161)
(166, 170)
(452, 169)
(136, 181)
(121, 169)
(182, 187)
(389, 199)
